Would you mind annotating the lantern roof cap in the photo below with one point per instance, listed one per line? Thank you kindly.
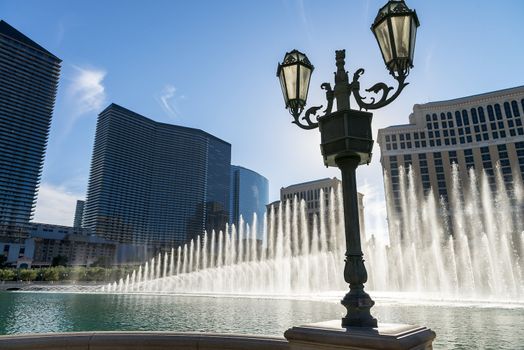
(395, 8)
(296, 56)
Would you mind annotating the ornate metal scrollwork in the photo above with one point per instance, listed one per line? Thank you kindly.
(376, 89)
(312, 111)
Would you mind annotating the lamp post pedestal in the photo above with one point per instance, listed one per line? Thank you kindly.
(329, 335)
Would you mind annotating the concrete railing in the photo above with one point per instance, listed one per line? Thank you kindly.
(142, 341)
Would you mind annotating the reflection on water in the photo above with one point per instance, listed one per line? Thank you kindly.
(456, 327)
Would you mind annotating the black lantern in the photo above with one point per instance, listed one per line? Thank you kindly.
(395, 29)
(294, 74)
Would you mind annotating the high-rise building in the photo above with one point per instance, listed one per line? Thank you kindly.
(79, 212)
(480, 132)
(317, 194)
(155, 184)
(28, 83)
(249, 195)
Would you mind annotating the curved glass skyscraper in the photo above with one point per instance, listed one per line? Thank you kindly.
(28, 82)
(153, 183)
(249, 195)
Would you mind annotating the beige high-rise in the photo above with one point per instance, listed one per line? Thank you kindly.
(481, 132)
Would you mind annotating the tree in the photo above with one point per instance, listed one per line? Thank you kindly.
(59, 260)
(102, 261)
(7, 275)
(51, 274)
(28, 275)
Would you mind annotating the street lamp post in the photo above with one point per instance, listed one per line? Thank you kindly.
(346, 136)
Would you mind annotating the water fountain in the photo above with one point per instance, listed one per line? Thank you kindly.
(475, 253)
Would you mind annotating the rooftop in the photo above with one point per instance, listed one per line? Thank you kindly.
(7, 30)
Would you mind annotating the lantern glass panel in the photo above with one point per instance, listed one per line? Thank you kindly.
(401, 32)
(413, 38)
(283, 86)
(382, 34)
(305, 76)
(290, 75)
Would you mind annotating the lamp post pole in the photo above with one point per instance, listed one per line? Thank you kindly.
(346, 136)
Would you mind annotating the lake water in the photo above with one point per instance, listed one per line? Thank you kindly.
(458, 325)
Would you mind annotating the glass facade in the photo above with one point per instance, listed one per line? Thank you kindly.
(153, 183)
(28, 83)
(249, 195)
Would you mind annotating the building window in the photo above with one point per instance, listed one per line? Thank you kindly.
(435, 118)
(507, 110)
(482, 117)
(458, 118)
(474, 117)
(491, 115)
(465, 117)
(387, 138)
(401, 137)
(428, 117)
(498, 112)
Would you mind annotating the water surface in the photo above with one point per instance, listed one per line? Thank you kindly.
(457, 327)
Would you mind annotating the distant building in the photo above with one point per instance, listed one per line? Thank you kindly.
(28, 83)
(249, 195)
(79, 212)
(476, 132)
(317, 194)
(154, 184)
(46, 242)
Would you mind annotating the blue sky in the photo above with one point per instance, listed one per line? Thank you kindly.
(211, 65)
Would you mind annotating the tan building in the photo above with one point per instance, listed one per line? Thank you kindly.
(312, 192)
(479, 132)
(73, 243)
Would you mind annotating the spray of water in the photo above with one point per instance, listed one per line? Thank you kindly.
(469, 247)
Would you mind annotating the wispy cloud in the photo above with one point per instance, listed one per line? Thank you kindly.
(169, 100)
(87, 90)
(55, 205)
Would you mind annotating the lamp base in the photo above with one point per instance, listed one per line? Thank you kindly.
(329, 335)
(358, 303)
